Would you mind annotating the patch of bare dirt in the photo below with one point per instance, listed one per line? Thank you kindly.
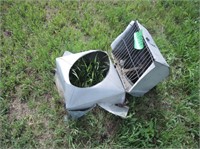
(18, 110)
(112, 127)
(50, 12)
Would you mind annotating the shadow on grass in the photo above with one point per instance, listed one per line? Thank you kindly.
(147, 107)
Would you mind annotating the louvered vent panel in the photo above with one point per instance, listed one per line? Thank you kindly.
(131, 63)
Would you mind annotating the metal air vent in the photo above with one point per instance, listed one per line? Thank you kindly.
(131, 63)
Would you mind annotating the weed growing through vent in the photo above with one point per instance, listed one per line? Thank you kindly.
(89, 70)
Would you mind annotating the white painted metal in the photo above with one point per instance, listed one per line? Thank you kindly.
(107, 93)
(156, 70)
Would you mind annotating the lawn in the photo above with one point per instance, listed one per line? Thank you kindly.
(34, 33)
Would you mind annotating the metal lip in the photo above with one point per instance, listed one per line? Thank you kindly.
(91, 51)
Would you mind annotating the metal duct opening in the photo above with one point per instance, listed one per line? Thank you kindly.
(131, 63)
(89, 69)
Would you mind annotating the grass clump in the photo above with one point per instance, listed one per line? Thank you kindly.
(89, 69)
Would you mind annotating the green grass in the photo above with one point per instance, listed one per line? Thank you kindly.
(89, 69)
(34, 33)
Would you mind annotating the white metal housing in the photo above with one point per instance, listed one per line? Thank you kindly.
(106, 94)
(135, 72)
(139, 70)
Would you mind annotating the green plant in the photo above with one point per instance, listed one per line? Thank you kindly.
(89, 70)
